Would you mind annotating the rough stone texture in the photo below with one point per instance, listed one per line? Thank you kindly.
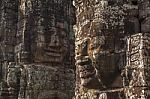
(112, 49)
(136, 71)
(37, 49)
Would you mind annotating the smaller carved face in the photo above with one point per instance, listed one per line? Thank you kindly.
(87, 54)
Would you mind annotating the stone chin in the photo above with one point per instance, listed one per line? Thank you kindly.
(49, 55)
(91, 83)
(87, 74)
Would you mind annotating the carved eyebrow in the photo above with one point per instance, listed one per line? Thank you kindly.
(61, 31)
(60, 28)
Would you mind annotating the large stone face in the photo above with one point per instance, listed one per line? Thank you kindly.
(55, 45)
(38, 49)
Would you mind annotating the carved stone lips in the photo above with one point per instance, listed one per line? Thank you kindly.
(85, 67)
(86, 74)
(54, 52)
(85, 81)
(84, 62)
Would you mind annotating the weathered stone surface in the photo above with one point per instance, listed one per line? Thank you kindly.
(102, 53)
(136, 68)
(37, 49)
(111, 43)
(45, 81)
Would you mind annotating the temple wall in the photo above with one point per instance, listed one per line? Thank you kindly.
(38, 44)
(110, 42)
(81, 49)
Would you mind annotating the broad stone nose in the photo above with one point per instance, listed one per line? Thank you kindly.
(84, 48)
(55, 41)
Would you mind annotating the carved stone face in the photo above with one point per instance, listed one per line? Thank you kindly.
(55, 45)
(98, 67)
(97, 43)
(87, 56)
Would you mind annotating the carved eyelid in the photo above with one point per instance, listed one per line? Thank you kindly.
(55, 32)
(63, 34)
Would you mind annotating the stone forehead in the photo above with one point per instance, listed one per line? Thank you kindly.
(109, 1)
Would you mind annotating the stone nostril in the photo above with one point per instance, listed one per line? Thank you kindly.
(55, 41)
(84, 49)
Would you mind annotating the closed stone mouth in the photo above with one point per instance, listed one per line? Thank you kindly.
(85, 67)
(59, 50)
(54, 52)
(84, 61)
(86, 71)
(55, 59)
(86, 74)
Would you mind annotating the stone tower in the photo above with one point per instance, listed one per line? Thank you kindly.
(111, 43)
(37, 49)
(112, 49)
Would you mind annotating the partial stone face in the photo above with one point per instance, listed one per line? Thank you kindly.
(88, 53)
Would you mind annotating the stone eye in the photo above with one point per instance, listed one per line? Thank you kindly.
(134, 2)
